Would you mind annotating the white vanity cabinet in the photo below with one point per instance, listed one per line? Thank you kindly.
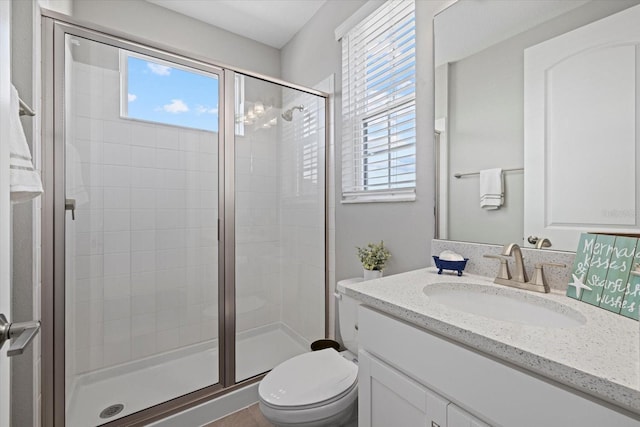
(387, 397)
(411, 377)
(457, 417)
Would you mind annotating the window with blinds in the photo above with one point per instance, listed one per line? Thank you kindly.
(378, 106)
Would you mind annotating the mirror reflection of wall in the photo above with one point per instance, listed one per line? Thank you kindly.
(479, 105)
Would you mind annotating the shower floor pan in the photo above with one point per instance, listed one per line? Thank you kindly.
(141, 384)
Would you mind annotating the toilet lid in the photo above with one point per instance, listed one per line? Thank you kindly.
(308, 379)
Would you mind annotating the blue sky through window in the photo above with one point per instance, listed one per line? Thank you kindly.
(160, 93)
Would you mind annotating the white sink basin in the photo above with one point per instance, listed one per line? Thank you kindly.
(504, 304)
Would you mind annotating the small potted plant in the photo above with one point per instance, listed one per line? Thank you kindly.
(373, 258)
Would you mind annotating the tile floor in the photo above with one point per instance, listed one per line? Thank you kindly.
(247, 417)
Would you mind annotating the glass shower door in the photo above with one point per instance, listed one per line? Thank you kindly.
(141, 247)
(279, 224)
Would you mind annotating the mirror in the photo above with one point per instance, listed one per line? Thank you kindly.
(485, 118)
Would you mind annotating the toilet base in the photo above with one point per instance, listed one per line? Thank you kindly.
(345, 418)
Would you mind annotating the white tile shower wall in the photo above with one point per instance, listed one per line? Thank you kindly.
(258, 286)
(146, 239)
(301, 184)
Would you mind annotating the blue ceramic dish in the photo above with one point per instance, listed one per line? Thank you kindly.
(450, 265)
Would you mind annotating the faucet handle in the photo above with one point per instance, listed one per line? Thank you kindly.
(539, 278)
(503, 272)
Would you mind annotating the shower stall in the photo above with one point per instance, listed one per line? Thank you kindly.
(184, 237)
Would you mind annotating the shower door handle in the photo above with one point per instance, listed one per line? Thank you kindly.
(22, 333)
(70, 205)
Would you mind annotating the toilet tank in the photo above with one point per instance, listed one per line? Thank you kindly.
(348, 317)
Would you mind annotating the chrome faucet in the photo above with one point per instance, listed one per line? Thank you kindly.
(521, 273)
(520, 279)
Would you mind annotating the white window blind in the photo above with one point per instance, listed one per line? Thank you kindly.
(378, 106)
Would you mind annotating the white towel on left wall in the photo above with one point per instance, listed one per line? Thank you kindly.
(25, 181)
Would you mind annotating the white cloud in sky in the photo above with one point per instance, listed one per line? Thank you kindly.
(161, 70)
(131, 97)
(176, 106)
(203, 109)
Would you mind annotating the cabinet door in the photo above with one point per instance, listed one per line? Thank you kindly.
(456, 417)
(387, 397)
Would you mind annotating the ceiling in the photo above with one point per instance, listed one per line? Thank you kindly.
(272, 22)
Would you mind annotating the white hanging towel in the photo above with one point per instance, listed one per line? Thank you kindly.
(491, 189)
(25, 181)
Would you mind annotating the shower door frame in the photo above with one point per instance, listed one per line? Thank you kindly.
(54, 28)
(54, 160)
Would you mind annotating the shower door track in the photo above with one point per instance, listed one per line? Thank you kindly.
(54, 28)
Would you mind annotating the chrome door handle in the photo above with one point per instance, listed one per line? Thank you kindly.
(70, 205)
(22, 333)
(539, 242)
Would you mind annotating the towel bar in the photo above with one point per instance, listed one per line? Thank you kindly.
(460, 175)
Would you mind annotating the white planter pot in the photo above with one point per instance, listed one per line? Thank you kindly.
(372, 274)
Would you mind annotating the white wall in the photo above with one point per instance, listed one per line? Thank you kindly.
(5, 209)
(406, 228)
(61, 6)
(26, 76)
(166, 27)
(486, 131)
(26, 245)
(22, 221)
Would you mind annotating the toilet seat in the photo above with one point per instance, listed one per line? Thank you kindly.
(309, 380)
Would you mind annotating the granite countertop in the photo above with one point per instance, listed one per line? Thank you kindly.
(600, 357)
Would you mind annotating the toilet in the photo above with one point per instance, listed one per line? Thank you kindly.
(319, 388)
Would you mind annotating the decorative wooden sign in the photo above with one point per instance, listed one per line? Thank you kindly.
(581, 266)
(601, 250)
(603, 273)
(632, 295)
(617, 279)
